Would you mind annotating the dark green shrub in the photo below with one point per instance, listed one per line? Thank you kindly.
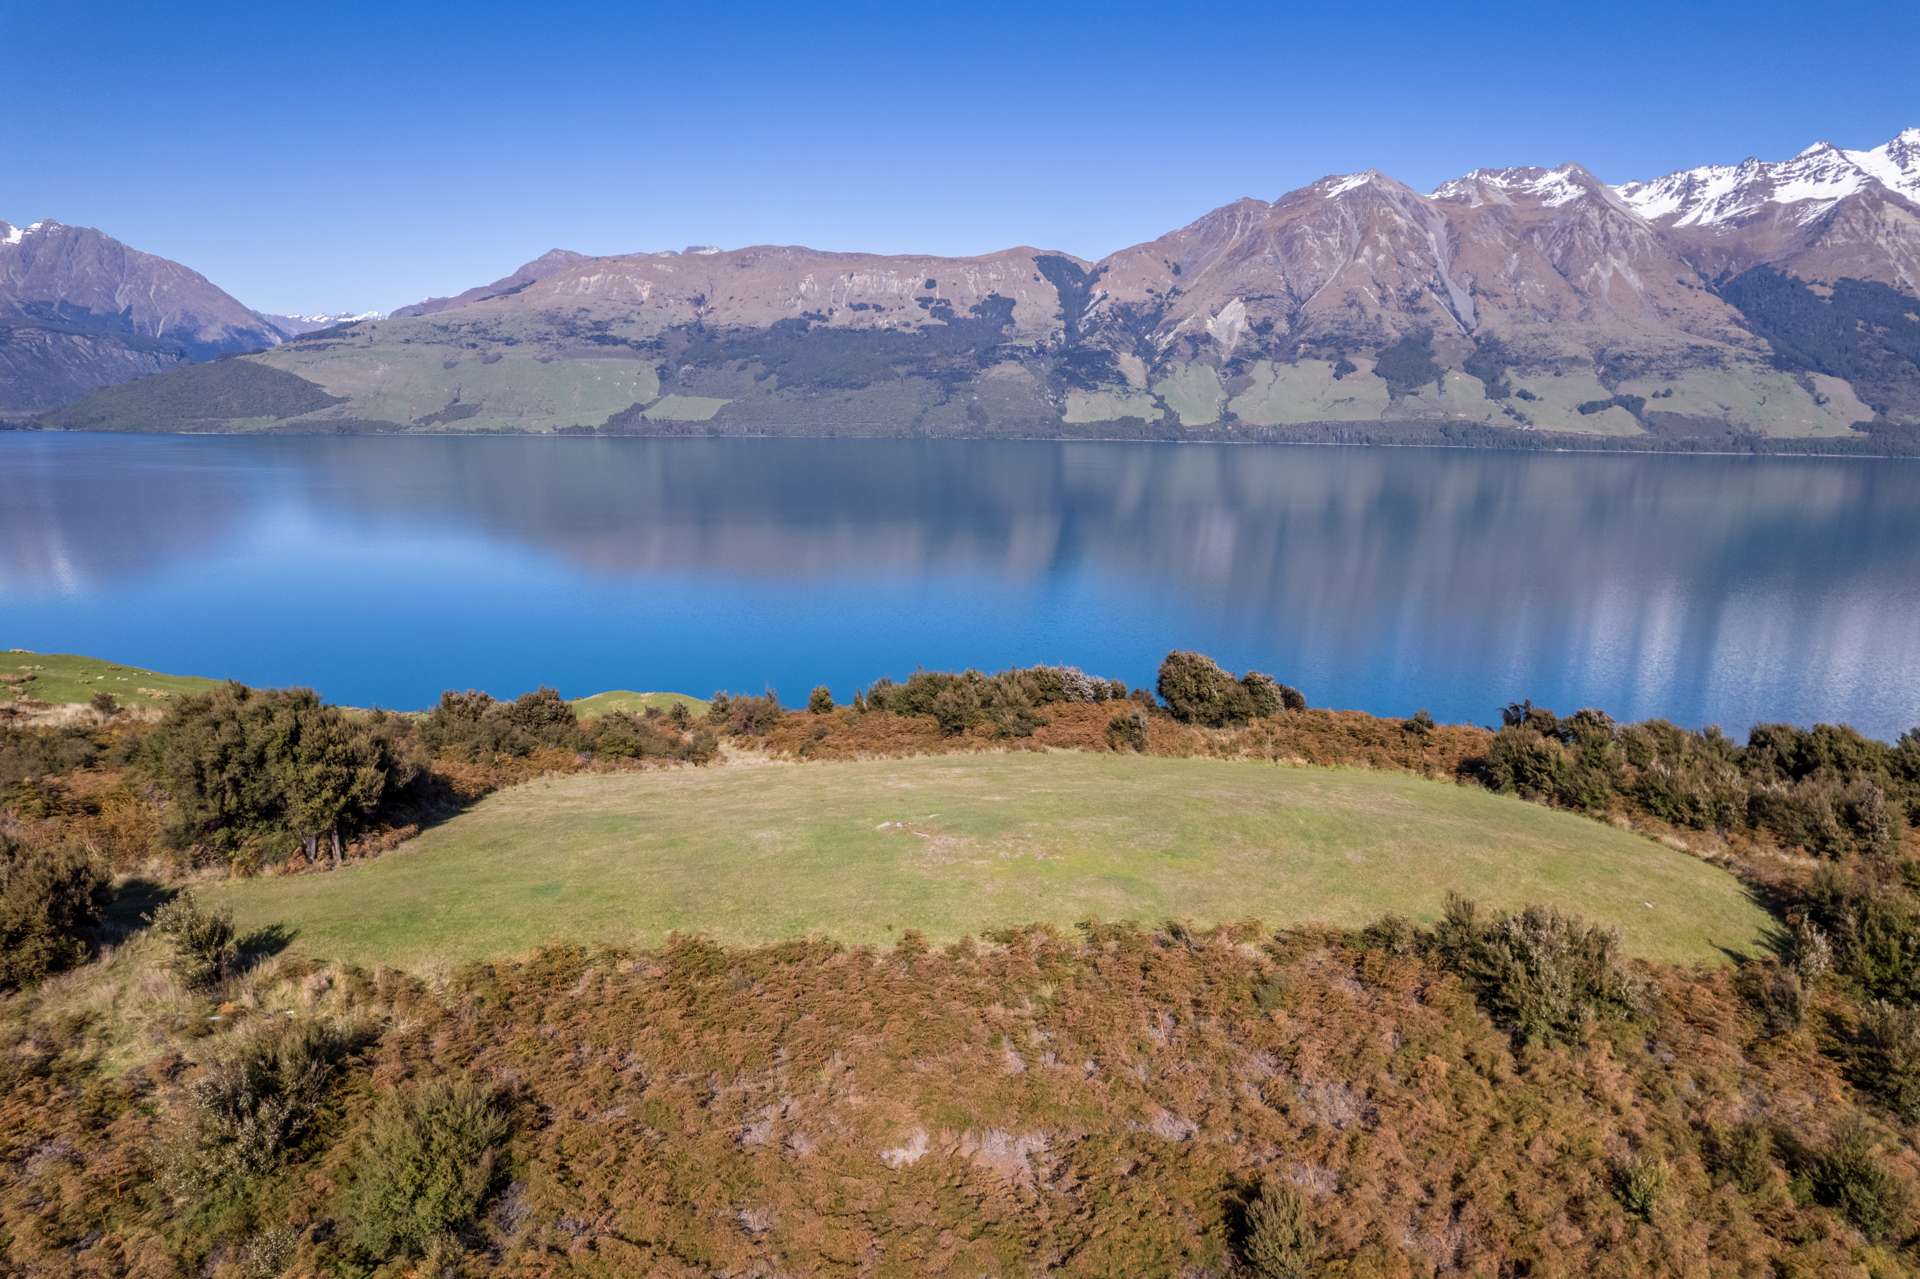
(256, 1099)
(104, 704)
(475, 726)
(1277, 1239)
(1263, 694)
(204, 953)
(1777, 995)
(1874, 930)
(426, 1165)
(1887, 1058)
(28, 754)
(1742, 1155)
(49, 897)
(1197, 691)
(1421, 723)
(1850, 1176)
(820, 701)
(1539, 973)
(623, 735)
(1641, 1183)
(1521, 760)
(244, 770)
(1127, 730)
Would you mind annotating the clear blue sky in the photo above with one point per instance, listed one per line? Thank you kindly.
(341, 155)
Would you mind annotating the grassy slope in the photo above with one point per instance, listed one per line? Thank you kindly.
(621, 699)
(58, 678)
(953, 845)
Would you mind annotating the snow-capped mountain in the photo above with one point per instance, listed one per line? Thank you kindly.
(1811, 183)
(293, 326)
(80, 310)
(1762, 299)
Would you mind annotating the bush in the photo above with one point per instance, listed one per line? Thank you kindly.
(1777, 995)
(48, 899)
(1541, 974)
(1887, 1058)
(752, 716)
(244, 769)
(473, 726)
(1851, 1177)
(204, 952)
(1197, 691)
(1421, 723)
(1263, 694)
(1127, 730)
(258, 1096)
(622, 735)
(820, 701)
(1641, 1183)
(104, 704)
(1741, 1155)
(1007, 701)
(1874, 931)
(1277, 1240)
(426, 1165)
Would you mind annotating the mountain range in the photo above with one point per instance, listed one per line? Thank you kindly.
(1764, 301)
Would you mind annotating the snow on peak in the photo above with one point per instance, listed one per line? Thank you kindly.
(1551, 187)
(1894, 164)
(15, 234)
(1810, 183)
(1340, 184)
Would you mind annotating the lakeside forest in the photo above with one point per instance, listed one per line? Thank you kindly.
(220, 1058)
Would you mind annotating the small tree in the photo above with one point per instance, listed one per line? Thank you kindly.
(48, 898)
(1277, 1240)
(428, 1163)
(204, 952)
(820, 701)
(104, 704)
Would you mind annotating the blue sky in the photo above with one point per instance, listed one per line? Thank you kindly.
(340, 155)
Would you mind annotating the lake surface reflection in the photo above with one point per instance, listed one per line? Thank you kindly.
(381, 570)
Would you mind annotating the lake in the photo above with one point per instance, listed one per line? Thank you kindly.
(381, 570)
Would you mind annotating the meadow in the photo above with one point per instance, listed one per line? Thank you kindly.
(865, 851)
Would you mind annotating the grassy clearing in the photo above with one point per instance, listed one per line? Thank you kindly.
(863, 851)
(621, 699)
(64, 678)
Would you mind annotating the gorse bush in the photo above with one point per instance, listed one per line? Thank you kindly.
(1851, 1176)
(1277, 1239)
(1009, 702)
(1197, 691)
(476, 727)
(1641, 1183)
(622, 735)
(1539, 973)
(49, 897)
(1873, 931)
(256, 1098)
(245, 769)
(425, 1166)
(820, 701)
(1127, 730)
(203, 952)
(1887, 1058)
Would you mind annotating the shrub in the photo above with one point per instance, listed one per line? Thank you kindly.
(1874, 930)
(1421, 723)
(1887, 1058)
(1741, 1154)
(204, 952)
(104, 704)
(1263, 694)
(1641, 1183)
(476, 727)
(244, 768)
(1777, 995)
(1277, 1240)
(622, 735)
(426, 1165)
(1850, 1176)
(257, 1097)
(1541, 974)
(820, 701)
(1197, 691)
(1127, 730)
(48, 898)
(753, 716)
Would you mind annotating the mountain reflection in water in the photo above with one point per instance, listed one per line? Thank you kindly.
(382, 569)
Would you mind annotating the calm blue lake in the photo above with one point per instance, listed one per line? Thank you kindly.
(382, 570)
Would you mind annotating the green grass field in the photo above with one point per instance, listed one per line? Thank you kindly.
(59, 678)
(952, 845)
(621, 699)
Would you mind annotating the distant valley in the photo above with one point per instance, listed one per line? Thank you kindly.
(1763, 304)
